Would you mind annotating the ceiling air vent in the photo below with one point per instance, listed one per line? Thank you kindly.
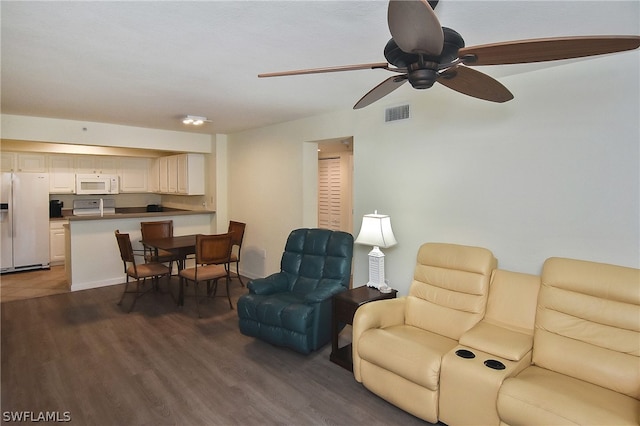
(396, 113)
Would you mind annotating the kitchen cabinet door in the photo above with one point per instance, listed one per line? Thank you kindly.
(190, 174)
(62, 178)
(101, 165)
(7, 161)
(154, 175)
(57, 242)
(108, 165)
(134, 175)
(32, 163)
(163, 173)
(172, 174)
(85, 164)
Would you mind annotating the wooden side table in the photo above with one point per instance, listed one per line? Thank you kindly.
(345, 305)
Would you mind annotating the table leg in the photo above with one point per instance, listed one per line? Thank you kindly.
(181, 292)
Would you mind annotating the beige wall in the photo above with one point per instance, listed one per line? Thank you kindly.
(555, 172)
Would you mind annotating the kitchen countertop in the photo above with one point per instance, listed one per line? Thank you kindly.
(131, 212)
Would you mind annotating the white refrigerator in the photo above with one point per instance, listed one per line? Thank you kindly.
(24, 221)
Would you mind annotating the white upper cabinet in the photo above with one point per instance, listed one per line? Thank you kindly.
(32, 163)
(172, 174)
(62, 174)
(102, 165)
(191, 174)
(181, 174)
(153, 182)
(134, 174)
(163, 174)
(7, 161)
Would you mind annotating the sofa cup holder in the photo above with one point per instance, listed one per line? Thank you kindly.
(495, 364)
(463, 353)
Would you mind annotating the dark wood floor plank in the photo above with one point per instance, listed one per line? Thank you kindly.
(160, 365)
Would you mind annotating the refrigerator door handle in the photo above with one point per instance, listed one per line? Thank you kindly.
(15, 185)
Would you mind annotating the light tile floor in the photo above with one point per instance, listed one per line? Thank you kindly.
(30, 284)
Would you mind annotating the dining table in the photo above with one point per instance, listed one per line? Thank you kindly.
(180, 246)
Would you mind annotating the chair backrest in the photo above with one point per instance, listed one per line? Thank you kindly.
(588, 323)
(124, 244)
(316, 256)
(157, 229)
(450, 286)
(237, 232)
(126, 252)
(213, 249)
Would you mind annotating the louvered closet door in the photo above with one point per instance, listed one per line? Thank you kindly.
(329, 194)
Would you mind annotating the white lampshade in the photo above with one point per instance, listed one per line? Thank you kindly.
(376, 231)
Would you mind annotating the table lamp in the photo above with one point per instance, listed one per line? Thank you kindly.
(376, 231)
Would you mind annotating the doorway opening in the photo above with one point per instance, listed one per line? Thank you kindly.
(335, 184)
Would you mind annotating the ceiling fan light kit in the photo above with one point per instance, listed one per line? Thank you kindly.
(423, 53)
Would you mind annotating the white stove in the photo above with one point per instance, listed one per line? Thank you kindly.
(94, 207)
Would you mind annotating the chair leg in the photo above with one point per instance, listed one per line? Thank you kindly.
(238, 273)
(135, 299)
(228, 278)
(195, 289)
(126, 286)
(181, 292)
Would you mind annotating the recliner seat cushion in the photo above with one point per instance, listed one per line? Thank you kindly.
(546, 397)
(409, 352)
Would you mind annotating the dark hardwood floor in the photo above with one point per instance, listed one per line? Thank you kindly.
(80, 355)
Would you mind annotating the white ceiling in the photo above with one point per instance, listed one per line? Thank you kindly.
(148, 63)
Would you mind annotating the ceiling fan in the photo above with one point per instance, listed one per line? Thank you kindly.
(422, 52)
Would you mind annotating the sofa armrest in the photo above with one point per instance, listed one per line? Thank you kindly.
(498, 341)
(378, 314)
(274, 283)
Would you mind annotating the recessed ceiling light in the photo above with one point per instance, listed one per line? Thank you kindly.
(194, 120)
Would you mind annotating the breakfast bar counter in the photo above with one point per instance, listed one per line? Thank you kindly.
(138, 212)
(93, 258)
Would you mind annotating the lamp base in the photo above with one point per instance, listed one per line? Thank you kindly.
(376, 268)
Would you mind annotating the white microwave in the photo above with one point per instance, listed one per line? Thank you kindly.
(96, 184)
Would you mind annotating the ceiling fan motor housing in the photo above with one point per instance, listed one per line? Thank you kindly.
(422, 69)
(422, 76)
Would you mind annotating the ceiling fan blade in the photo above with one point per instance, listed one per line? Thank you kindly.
(474, 83)
(372, 66)
(546, 49)
(381, 90)
(415, 27)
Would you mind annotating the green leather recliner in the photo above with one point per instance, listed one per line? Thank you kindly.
(292, 308)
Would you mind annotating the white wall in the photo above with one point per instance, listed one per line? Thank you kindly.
(555, 172)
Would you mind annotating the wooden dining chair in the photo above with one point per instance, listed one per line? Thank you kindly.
(237, 234)
(212, 263)
(139, 272)
(153, 230)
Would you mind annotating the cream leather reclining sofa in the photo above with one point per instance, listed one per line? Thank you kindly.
(471, 344)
